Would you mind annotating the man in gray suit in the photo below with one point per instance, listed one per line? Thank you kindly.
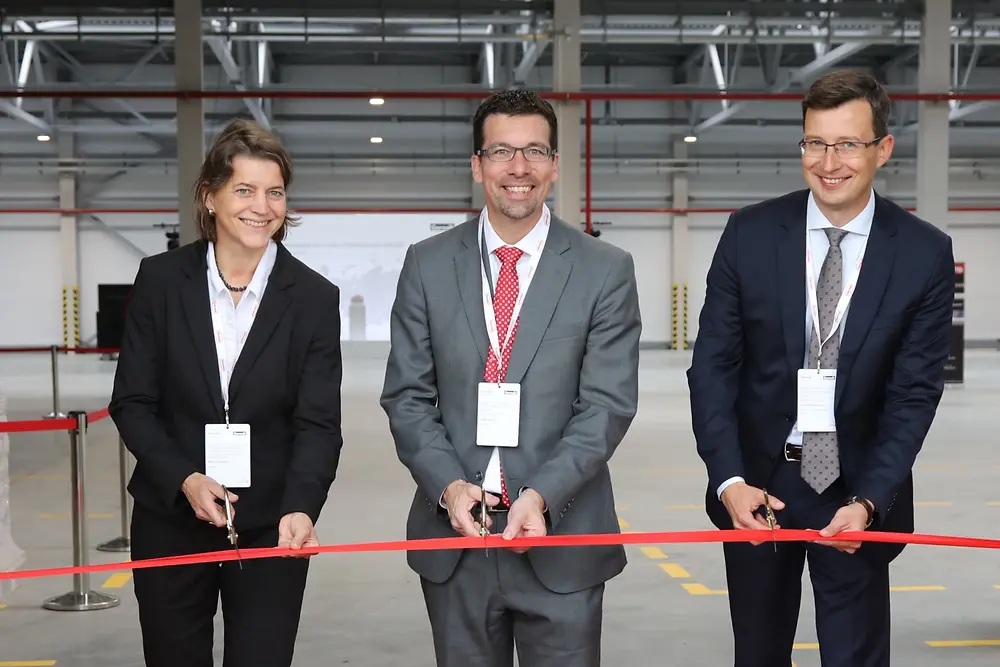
(530, 429)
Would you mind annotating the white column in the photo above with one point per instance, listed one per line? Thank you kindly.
(680, 246)
(566, 78)
(188, 67)
(69, 243)
(932, 128)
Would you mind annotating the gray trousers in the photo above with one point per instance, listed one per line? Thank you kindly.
(494, 603)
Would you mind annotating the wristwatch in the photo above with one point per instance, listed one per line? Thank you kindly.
(868, 505)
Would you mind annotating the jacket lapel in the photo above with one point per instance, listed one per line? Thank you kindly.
(540, 302)
(469, 274)
(791, 286)
(194, 295)
(872, 282)
(270, 312)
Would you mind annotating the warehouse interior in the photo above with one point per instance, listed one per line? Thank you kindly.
(672, 114)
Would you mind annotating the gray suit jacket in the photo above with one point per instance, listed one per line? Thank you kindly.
(576, 356)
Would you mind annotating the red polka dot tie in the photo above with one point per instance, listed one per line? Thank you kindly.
(504, 298)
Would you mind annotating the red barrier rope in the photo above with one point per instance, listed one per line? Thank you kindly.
(35, 425)
(497, 541)
(77, 350)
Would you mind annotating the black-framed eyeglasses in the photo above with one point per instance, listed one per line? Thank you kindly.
(504, 153)
(817, 148)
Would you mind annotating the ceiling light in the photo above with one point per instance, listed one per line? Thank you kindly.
(376, 140)
(43, 137)
(690, 138)
(376, 101)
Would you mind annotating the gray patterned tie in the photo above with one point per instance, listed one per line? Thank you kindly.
(820, 458)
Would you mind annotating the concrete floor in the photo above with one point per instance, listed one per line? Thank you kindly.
(367, 610)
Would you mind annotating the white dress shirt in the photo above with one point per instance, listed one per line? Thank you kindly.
(532, 246)
(235, 318)
(851, 246)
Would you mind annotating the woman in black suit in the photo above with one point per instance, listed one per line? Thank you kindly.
(229, 381)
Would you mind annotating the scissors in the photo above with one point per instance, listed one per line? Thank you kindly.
(233, 537)
(769, 517)
(483, 530)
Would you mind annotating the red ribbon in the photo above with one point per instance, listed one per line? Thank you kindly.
(497, 541)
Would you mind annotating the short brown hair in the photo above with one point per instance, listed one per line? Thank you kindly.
(843, 86)
(514, 102)
(239, 138)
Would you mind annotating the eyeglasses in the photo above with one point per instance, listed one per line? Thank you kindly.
(817, 148)
(503, 153)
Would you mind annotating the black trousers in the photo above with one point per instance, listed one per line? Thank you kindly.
(851, 591)
(261, 604)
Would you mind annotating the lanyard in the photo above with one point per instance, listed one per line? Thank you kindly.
(489, 310)
(845, 296)
(221, 349)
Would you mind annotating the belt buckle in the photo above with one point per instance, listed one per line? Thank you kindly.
(788, 452)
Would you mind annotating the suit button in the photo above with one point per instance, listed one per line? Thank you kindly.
(479, 476)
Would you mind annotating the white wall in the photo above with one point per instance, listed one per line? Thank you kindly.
(30, 276)
(30, 273)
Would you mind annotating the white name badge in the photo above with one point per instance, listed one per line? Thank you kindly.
(499, 414)
(817, 389)
(227, 454)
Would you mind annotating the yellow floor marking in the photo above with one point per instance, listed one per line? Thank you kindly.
(3, 606)
(621, 509)
(931, 504)
(66, 516)
(622, 523)
(27, 663)
(702, 589)
(682, 507)
(996, 586)
(675, 570)
(993, 503)
(653, 552)
(960, 643)
(117, 580)
(908, 589)
(805, 647)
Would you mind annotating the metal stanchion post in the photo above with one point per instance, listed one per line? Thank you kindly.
(122, 543)
(56, 413)
(81, 598)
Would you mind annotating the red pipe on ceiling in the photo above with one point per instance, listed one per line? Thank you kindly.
(272, 93)
(344, 210)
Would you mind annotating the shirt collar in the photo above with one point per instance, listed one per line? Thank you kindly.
(861, 224)
(532, 241)
(260, 274)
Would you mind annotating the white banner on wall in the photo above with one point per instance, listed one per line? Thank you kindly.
(363, 254)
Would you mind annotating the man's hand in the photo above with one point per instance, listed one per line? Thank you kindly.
(296, 531)
(742, 501)
(201, 493)
(847, 519)
(460, 497)
(526, 518)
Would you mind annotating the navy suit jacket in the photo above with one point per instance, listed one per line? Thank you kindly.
(890, 373)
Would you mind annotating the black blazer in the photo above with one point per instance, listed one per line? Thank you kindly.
(286, 384)
(890, 373)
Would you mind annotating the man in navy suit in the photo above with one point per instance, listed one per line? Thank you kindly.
(828, 425)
